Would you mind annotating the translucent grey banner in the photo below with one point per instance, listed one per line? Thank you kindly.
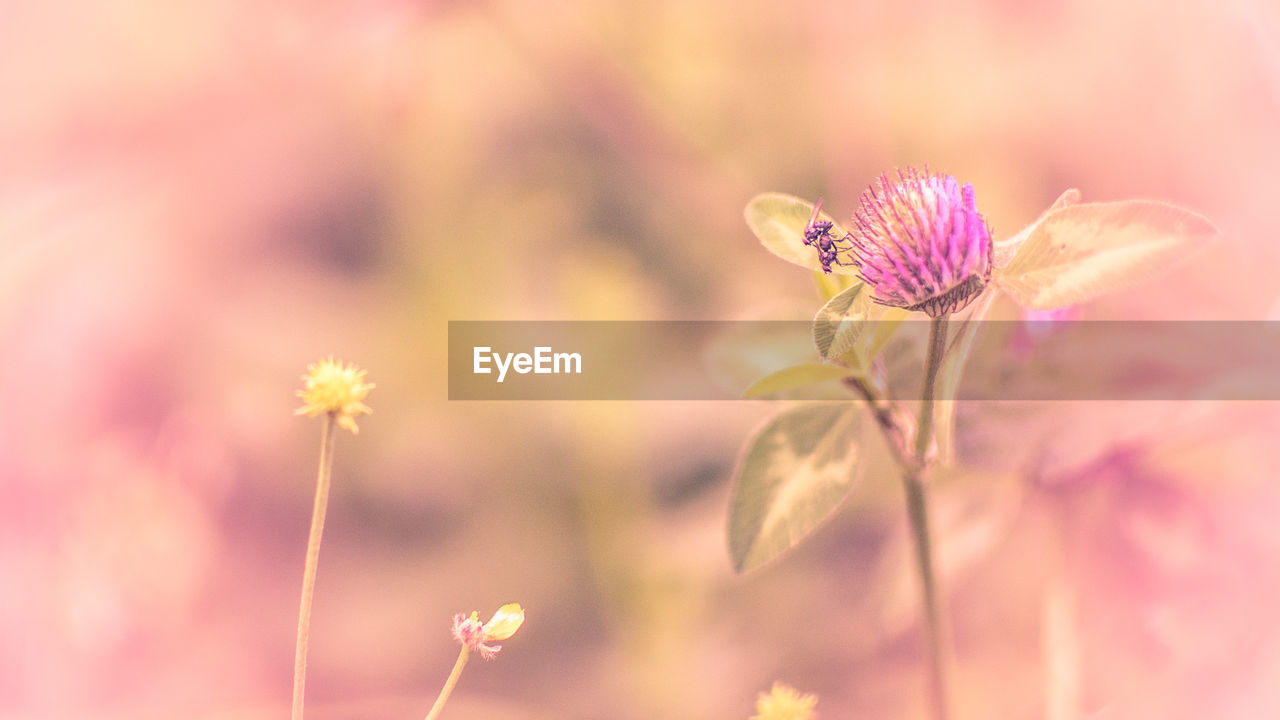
(711, 360)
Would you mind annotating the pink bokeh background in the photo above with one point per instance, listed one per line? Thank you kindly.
(198, 199)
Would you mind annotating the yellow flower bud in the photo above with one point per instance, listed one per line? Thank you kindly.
(505, 622)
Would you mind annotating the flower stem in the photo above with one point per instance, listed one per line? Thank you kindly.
(450, 683)
(1061, 620)
(888, 416)
(313, 556)
(913, 479)
(915, 461)
(918, 514)
(933, 362)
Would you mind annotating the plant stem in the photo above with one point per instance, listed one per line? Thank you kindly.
(450, 683)
(313, 556)
(1062, 651)
(913, 479)
(888, 416)
(933, 362)
(918, 514)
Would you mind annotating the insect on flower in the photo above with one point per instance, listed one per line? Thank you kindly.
(917, 241)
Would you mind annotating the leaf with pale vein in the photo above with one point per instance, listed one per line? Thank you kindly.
(1002, 251)
(794, 475)
(853, 329)
(1082, 251)
(838, 324)
(779, 221)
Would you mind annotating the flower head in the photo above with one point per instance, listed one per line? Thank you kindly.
(504, 623)
(918, 241)
(784, 703)
(337, 389)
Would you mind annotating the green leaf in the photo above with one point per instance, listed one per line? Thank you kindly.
(839, 323)
(1004, 250)
(794, 377)
(1081, 251)
(853, 329)
(795, 473)
(779, 220)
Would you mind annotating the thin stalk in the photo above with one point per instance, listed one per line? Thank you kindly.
(918, 515)
(888, 416)
(1062, 652)
(450, 683)
(933, 362)
(313, 557)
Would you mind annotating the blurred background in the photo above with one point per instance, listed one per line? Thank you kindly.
(198, 199)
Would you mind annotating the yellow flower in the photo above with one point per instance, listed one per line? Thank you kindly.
(337, 389)
(784, 703)
(504, 623)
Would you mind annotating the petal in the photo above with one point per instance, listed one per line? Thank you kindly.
(504, 623)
